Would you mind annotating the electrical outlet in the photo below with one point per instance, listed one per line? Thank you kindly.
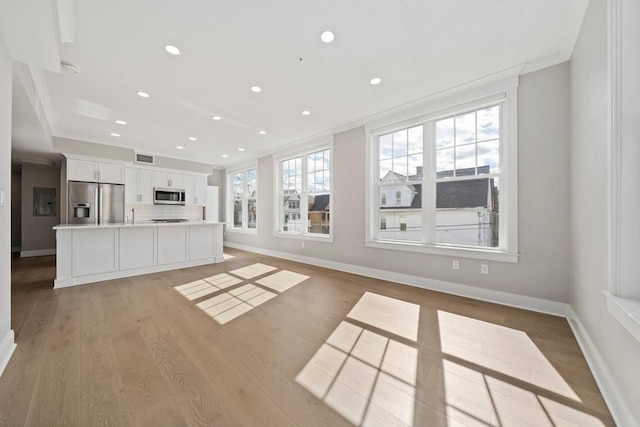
(484, 268)
(455, 264)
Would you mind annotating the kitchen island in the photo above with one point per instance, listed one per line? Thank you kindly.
(92, 253)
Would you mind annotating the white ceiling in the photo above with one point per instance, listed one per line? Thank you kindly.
(417, 48)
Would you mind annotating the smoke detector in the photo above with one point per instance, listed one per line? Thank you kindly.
(70, 68)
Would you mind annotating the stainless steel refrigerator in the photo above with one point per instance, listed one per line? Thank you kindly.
(93, 203)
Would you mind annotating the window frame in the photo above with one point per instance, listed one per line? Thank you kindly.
(245, 199)
(303, 150)
(468, 97)
(622, 298)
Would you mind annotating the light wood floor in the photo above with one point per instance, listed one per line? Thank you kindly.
(278, 344)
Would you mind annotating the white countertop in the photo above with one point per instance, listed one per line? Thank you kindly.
(134, 224)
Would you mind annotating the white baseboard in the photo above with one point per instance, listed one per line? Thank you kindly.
(7, 347)
(616, 401)
(618, 405)
(39, 252)
(504, 298)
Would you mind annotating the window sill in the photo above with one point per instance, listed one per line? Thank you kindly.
(482, 254)
(298, 236)
(626, 311)
(242, 230)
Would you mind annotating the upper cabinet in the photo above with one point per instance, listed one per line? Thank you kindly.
(138, 188)
(91, 171)
(141, 182)
(199, 190)
(168, 180)
(195, 189)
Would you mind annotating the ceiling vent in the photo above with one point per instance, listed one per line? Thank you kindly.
(144, 158)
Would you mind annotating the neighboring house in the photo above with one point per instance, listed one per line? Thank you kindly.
(466, 210)
(291, 212)
(319, 214)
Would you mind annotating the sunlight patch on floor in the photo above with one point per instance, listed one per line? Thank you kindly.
(197, 289)
(251, 271)
(282, 280)
(366, 377)
(206, 286)
(505, 350)
(393, 315)
(234, 303)
(223, 280)
(496, 376)
(227, 256)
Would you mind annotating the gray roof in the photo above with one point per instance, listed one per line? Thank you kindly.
(320, 203)
(473, 193)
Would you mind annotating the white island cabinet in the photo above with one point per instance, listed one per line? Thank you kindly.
(91, 253)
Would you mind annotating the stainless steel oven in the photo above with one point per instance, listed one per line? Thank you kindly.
(168, 196)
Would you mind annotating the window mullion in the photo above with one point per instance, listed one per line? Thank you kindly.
(428, 186)
(304, 198)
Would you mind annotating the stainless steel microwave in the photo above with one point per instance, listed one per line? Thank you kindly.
(168, 196)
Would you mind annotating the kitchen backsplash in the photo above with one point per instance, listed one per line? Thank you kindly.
(149, 212)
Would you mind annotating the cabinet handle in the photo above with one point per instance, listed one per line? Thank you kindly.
(170, 183)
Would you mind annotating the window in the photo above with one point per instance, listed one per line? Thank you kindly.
(243, 206)
(467, 154)
(623, 298)
(304, 200)
(449, 170)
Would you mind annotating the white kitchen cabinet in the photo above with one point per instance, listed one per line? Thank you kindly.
(168, 180)
(91, 171)
(199, 190)
(82, 170)
(110, 173)
(94, 251)
(201, 242)
(138, 188)
(195, 189)
(137, 247)
(161, 179)
(173, 244)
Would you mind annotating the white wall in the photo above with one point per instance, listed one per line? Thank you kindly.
(7, 344)
(543, 268)
(588, 166)
(38, 236)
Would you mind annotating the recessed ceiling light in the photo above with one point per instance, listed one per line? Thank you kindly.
(225, 156)
(327, 36)
(172, 49)
(216, 117)
(121, 122)
(262, 132)
(375, 81)
(306, 112)
(180, 147)
(240, 149)
(256, 89)
(115, 134)
(191, 138)
(143, 94)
